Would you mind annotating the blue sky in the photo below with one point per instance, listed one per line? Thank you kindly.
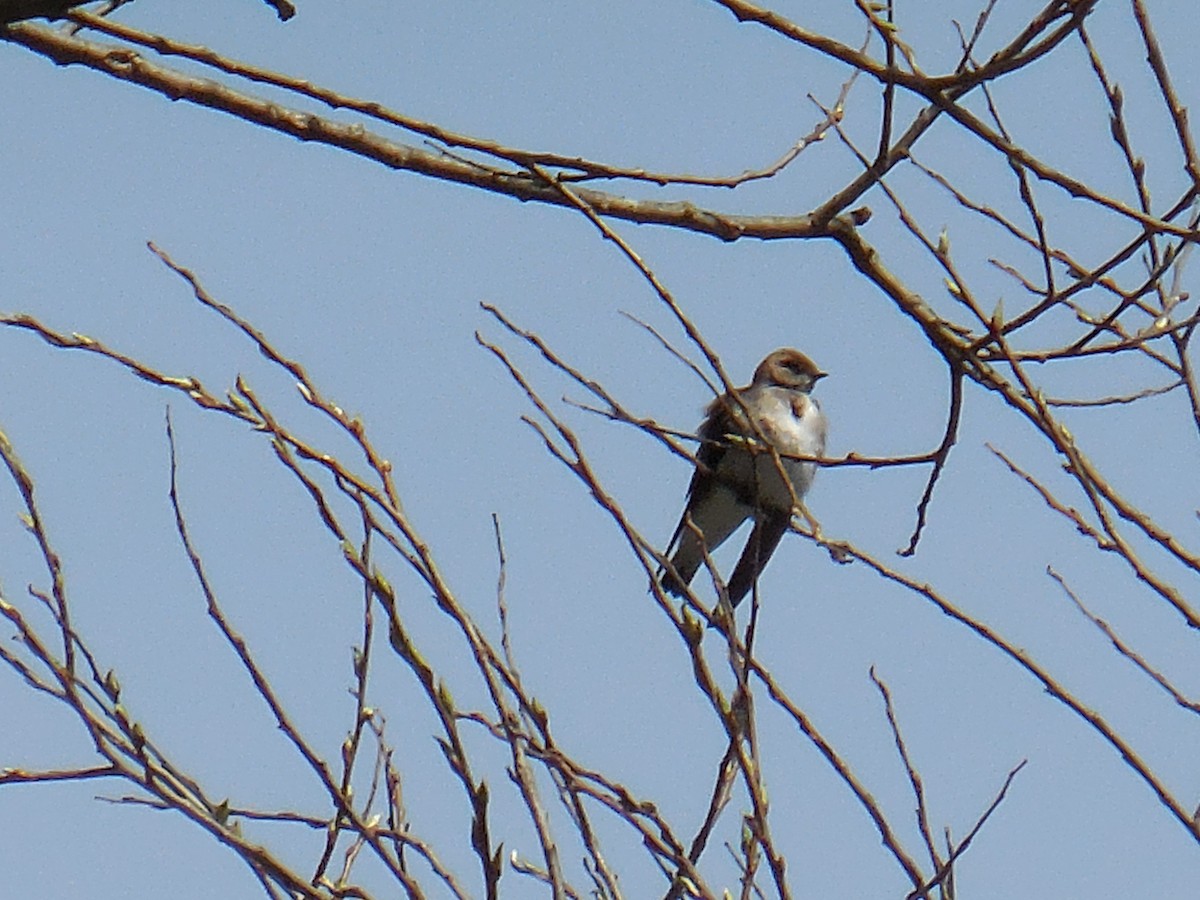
(373, 279)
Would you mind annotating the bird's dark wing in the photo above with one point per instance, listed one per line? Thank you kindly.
(722, 418)
(769, 529)
(711, 513)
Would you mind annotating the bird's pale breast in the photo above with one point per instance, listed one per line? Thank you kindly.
(794, 424)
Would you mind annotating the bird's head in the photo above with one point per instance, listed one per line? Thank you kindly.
(788, 368)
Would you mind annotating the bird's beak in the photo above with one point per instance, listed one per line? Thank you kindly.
(819, 375)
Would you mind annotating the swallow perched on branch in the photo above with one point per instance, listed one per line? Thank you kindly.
(738, 478)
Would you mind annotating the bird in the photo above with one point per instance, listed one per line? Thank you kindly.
(737, 478)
